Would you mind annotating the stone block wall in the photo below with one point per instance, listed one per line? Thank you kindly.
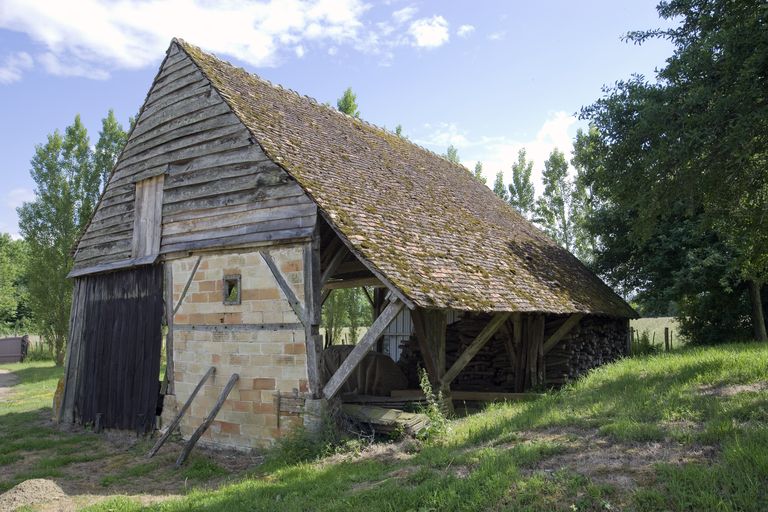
(261, 339)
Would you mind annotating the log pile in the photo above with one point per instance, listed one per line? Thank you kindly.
(594, 342)
(490, 370)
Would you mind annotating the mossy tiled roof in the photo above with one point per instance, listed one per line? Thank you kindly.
(437, 234)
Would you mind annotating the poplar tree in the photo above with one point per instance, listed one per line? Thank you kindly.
(553, 208)
(348, 103)
(478, 173)
(452, 154)
(499, 188)
(68, 178)
(521, 191)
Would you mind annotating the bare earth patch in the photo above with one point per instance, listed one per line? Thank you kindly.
(623, 465)
(7, 381)
(82, 482)
(733, 389)
(32, 492)
(383, 452)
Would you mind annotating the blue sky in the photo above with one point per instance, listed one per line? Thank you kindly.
(488, 77)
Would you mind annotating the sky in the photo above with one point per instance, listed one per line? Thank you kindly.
(489, 77)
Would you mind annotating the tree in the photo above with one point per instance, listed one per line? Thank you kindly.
(67, 182)
(478, 173)
(452, 154)
(586, 158)
(521, 191)
(499, 188)
(697, 134)
(553, 208)
(14, 300)
(399, 131)
(348, 103)
(112, 139)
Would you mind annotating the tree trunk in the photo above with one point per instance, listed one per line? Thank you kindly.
(59, 350)
(758, 320)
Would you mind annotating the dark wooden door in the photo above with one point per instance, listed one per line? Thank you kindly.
(117, 339)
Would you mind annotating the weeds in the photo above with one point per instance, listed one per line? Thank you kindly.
(438, 421)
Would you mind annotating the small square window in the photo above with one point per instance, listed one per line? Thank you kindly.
(232, 289)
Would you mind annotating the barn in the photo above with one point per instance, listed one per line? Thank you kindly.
(238, 206)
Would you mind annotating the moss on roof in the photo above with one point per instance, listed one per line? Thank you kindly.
(441, 237)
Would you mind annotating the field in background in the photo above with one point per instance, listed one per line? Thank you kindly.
(655, 328)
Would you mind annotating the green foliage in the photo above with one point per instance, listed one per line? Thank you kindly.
(554, 209)
(345, 308)
(348, 103)
(643, 344)
(498, 187)
(694, 140)
(521, 191)
(68, 176)
(478, 173)
(452, 154)
(438, 421)
(399, 131)
(112, 139)
(14, 299)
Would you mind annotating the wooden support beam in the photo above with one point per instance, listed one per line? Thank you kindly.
(324, 296)
(362, 348)
(353, 283)
(368, 296)
(333, 264)
(169, 384)
(383, 280)
(564, 329)
(186, 287)
(474, 347)
(313, 309)
(284, 286)
(427, 354)
(180, 415)
(207, 423)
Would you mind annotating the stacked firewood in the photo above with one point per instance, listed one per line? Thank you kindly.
(489, 370)
(594, 342)
(591, 343)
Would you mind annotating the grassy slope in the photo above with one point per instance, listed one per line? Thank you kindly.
(633, 403)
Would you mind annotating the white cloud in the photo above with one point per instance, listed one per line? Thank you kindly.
(14, 66)
(92, 38)
(497, 36)
(429, 32)
(498, 153)
(404, 14)
(16, 197)
(465, 30)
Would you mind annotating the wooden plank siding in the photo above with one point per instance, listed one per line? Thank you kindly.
(218, 187)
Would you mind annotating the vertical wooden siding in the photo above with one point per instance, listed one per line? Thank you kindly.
(114, 357)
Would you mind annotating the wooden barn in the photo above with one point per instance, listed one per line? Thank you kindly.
(238, 206)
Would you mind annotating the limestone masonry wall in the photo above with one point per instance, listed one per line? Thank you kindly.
(232, 338)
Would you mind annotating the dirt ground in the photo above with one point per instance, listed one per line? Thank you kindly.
(7, 381)
(624, 465)
(120, 456)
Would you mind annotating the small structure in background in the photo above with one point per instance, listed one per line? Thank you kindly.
(237, 207)
(14, 350)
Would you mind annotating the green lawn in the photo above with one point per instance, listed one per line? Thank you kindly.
(84, 464)
(686, 430)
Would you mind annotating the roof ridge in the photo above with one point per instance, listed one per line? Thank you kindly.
(315, 102)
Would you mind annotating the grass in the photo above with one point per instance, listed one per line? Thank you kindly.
(486, 462)
(655, 329)
(492, 460)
